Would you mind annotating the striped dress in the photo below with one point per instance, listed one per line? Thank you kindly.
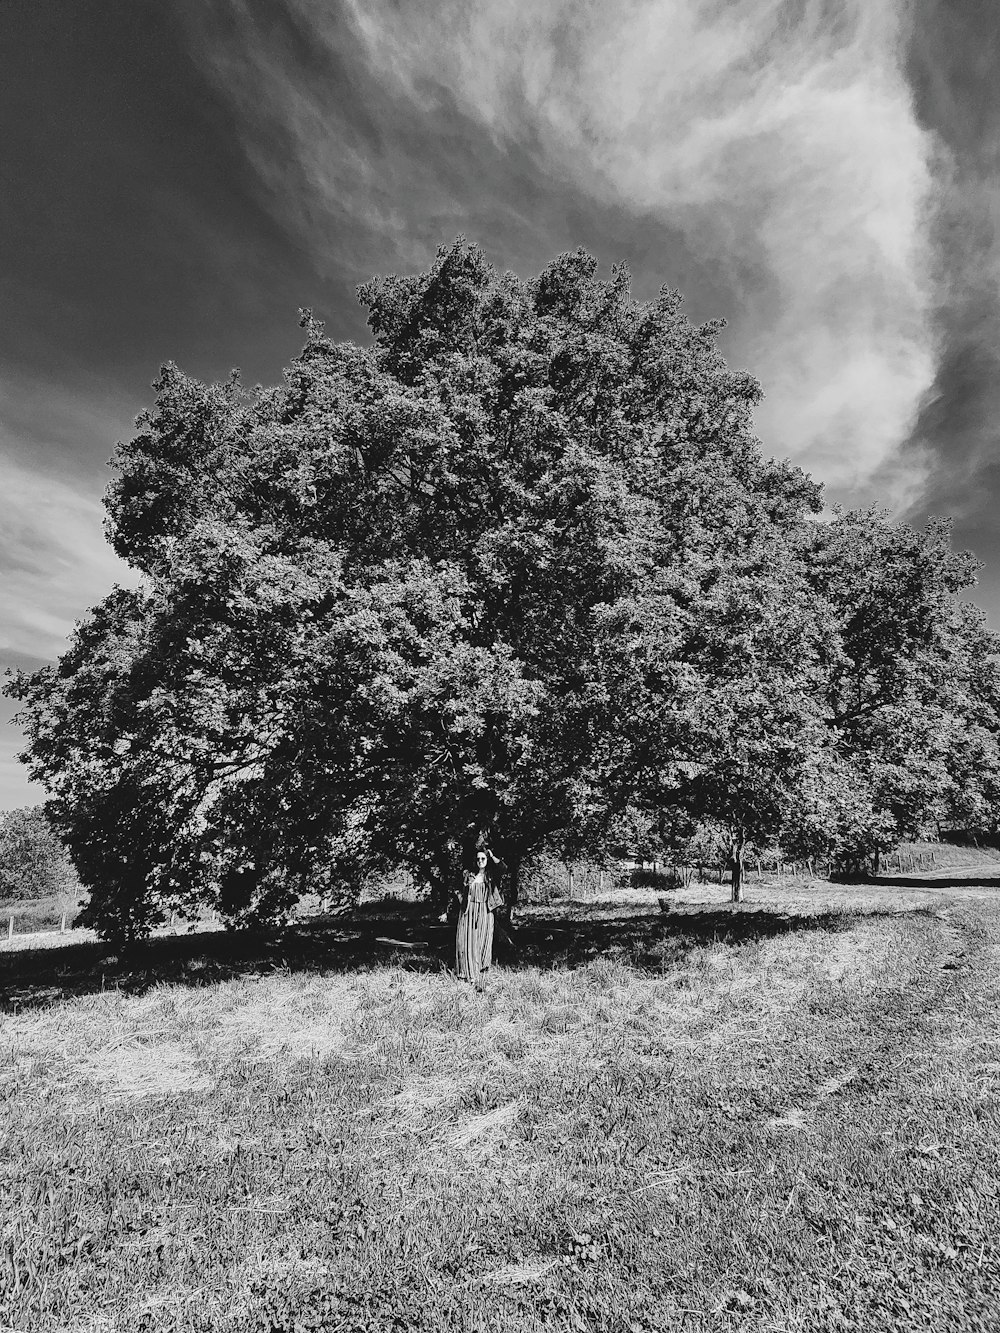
(474, 936)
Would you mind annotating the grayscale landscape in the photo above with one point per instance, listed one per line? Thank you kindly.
(500, 717)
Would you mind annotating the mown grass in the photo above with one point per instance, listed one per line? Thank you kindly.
(35, 914)
(755, 1121)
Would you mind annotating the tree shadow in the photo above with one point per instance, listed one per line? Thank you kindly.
(403, 934)
(955, 881)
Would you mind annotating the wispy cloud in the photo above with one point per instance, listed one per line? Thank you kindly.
(54, 565)
(777, 137)
(55, 562)
(54, 559)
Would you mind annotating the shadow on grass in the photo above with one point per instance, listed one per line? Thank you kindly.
(929, 882)
(404, 934)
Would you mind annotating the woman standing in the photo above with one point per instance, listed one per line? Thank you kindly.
(474, 937)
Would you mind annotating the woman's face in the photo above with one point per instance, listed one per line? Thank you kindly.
(481, 860)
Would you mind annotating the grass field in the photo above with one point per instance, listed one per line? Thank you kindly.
(32, 914)
(780, 1118)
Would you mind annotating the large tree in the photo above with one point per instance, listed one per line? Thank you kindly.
(494, 575)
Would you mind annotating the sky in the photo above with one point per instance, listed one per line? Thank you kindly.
(176, 180)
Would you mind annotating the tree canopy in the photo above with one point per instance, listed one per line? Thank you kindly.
(33, 861)
(519, 570)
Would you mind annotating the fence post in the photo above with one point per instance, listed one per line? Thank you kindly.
(569, 872)
(10, 929)
(62, 925)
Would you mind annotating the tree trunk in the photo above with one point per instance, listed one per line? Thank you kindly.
(513, 882)
(738, 850)
(506, 945)
(440, 892)
(444, 875)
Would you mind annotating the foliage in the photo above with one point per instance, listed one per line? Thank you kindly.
(33, 860)
(385, 604)
(833, 695)
(543, 879)
(913, 688)
(519, 572)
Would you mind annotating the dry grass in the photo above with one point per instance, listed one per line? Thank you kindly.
(953, 856)
(789, 1129)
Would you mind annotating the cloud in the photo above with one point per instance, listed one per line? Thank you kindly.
(54, 560)
(15, 788)
(777, 137)
(953, 66)
(54, 565)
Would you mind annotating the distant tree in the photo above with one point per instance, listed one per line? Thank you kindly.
(821, 688)
(971, 799)
(912, 690)
(399, 602)
(33, 861)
